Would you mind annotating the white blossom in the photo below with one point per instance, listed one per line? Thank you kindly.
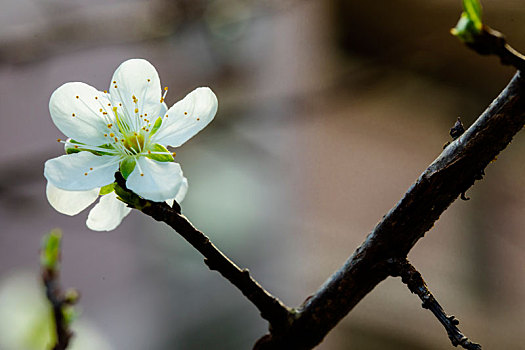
(125, 129)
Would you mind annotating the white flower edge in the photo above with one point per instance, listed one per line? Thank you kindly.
(181, 194)
(187, 117)
(70, 202)
(81, 171)
(108, 213)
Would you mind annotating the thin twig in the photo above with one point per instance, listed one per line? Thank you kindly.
(272, 309)
(61, 302)
(457, 168)
(492, 42)
(414, 281)
(57, 299)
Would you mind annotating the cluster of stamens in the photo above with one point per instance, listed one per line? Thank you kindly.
(128, 133)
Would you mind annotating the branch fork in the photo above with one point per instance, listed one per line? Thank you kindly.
(384, 251)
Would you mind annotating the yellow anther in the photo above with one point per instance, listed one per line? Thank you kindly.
(105, 135)
(112, 134)
(72, 114)
(100, 110)
(76, 147)
(96, 97)
(90, 168)
(166, 88)
(161, 100)
(114, 81)
(105, 91)
(198, 119)
(85, 174)
(185, 113)
(141, 174)
(58, 140)
(174, 154)
(115, 86)
(110, 125)
(149, 80)
(136, 110)
(76, 96)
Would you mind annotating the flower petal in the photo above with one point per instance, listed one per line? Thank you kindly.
(187, 117)
(182, 190)
(75, 110)
(81, 171)
(107, 214)
(70, 202)
(137, 77)
(179, 197)
(156, 181)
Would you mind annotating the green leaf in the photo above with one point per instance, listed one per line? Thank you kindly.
(50, 254)
(156, 126)
(127, 166)
(473, 10)
(469, 24)
(159, 153)
(107, 189)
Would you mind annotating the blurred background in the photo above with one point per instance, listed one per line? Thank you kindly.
(328, 112)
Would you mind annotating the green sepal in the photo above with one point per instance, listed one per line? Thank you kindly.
(130, 198)
(69, 313)
(165, 157)
(101, 153)
(107, 189)
(72, 149)
(127, 166)
(50, 254)
(156, 126)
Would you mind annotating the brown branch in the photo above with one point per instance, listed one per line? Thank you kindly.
(492, 42)
(272, 309)
(414, 281)
(461, 163)
(451, 174)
